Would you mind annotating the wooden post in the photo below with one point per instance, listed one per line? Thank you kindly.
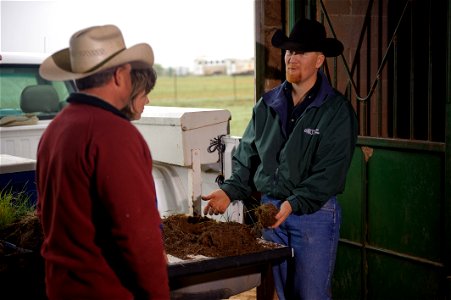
(195, 183)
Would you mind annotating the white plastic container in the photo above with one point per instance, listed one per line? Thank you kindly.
(173, 132)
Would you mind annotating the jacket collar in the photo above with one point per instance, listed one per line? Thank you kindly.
(94, 101)
(277, 100)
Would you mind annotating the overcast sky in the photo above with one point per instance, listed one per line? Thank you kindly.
(179, 31)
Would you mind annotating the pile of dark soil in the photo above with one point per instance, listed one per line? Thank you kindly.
(22, 267)
(185, 236)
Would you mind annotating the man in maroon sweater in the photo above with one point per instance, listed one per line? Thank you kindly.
(97, 201)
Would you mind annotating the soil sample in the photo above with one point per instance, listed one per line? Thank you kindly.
(186, 236)
(266, 214)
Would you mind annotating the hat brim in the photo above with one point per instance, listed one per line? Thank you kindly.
(330, 47)
(58, 66)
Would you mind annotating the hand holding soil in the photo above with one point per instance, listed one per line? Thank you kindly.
(266, 214)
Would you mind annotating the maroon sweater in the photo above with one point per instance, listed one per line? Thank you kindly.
(97, 206)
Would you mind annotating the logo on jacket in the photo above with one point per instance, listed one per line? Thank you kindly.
(311, 131)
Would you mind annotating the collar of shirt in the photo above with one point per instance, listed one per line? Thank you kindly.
(94, 101)
(294, 112)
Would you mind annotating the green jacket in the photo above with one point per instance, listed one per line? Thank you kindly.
(307, 167)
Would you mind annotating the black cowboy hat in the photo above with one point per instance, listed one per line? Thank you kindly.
(307, 35)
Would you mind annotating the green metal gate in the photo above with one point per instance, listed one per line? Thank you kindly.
(395, 235)
(393, 231)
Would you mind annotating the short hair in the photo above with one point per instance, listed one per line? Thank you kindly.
(143, 80)
(95, 80)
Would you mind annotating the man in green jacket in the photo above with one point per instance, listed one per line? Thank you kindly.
(296, 152)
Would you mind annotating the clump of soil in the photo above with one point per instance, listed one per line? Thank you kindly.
(266, 214)
(186, 235)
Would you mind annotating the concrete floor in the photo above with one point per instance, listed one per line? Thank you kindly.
(248, 295)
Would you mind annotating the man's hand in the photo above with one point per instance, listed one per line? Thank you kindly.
(282, 215)
(218, 201)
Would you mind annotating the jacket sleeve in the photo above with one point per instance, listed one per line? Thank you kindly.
(330, 164)
(240, 185)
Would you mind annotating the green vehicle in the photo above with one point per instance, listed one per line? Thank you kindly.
(24, 91)
(28, 100)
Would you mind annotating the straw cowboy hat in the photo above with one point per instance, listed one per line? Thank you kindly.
(92, 50)
(307, 36)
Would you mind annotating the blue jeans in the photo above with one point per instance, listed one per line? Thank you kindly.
(314, 240)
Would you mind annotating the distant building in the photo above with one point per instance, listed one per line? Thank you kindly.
(230, 66)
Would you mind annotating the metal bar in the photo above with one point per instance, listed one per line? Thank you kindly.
(379, 111)
(394, 253)
(349, 72)
(335, 82)
(310, 10)
(384, 60)
(447, 180)
(364, 229)
(412, 81)
(402, 144)
(294, 12)
(395, 88)
(362, 34)
(195, 183)
(364, 106)
(429, 112)
(369, 56)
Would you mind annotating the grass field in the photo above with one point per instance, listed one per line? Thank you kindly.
(234, 93)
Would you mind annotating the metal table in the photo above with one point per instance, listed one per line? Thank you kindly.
(220, 272)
